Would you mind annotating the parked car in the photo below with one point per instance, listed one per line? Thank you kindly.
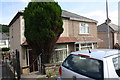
(93, 64)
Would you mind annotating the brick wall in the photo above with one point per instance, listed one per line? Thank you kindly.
(103, 36)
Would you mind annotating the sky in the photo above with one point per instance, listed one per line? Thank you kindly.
(93, 9)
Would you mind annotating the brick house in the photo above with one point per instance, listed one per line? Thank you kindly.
(103, 34)
(79, 33)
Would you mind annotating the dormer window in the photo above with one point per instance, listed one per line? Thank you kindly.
(84, 28)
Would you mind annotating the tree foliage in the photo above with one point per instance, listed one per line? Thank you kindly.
(4, 28)
(43, 26)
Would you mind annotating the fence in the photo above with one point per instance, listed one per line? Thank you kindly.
(15, 64)
(36, 64)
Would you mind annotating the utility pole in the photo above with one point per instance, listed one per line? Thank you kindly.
(108, 31)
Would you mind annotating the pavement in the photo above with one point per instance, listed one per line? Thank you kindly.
(7, 74)
(33, 75)
(36, 76)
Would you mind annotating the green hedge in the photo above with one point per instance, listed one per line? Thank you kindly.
(5, 49)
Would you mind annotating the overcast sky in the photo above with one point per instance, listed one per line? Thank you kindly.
(93, 9)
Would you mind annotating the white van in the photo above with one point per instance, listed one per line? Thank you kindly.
(94, 64)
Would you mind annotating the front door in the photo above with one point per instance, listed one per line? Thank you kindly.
(33, 61)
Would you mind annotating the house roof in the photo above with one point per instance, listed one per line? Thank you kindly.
(66, 39)
(25, 44)
(65, 14)
(113, 26)
(76, 17)
(16, 17)
(103, 27)
(86, 39)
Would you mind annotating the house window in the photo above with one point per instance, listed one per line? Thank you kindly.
(60, 53)
(95, 45)
(77, 47)
(84, 46)
(12, 32)
(84, 28)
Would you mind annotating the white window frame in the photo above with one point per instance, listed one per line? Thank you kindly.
(84, 28)
(62, 56)
(86, 46)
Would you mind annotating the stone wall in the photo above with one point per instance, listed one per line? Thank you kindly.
(52, 69)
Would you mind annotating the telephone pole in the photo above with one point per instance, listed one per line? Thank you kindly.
(108, 28)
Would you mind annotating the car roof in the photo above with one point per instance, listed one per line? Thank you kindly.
(98, 53)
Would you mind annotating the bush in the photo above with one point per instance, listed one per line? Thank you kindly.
(5, 49)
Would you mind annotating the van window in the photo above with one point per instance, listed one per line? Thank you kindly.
(85, 66)
(116, 62)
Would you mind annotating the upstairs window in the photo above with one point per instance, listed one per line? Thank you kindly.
(84, 28)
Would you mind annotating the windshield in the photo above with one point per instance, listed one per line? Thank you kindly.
(85, 66)
(116, 62)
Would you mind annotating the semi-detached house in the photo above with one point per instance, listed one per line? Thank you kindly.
(79, 33)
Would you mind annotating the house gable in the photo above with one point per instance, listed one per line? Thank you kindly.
(103, 28)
